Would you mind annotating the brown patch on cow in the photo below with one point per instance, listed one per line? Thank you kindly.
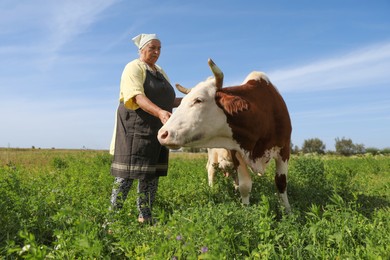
(264, 124)
(281, 182)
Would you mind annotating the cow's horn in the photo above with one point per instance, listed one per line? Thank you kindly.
(182, 89)
(218, 74)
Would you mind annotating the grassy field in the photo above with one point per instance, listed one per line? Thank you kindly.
(54, 205)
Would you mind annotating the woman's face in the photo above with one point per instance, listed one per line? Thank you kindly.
(151, 51)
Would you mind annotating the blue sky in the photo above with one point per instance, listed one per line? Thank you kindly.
(61, 61)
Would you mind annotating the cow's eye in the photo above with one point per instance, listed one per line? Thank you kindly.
(197, 101)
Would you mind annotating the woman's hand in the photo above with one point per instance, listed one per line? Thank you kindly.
(164, 115)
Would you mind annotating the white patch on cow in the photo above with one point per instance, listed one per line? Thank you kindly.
(256, 75)
(282, 168)
(260, 164)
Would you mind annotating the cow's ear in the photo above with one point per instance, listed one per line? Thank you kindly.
(230, 103)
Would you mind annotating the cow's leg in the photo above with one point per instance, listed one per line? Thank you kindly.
(210, 173)
(235, 182)
(281, 182)
(244, 179)
(210, 165)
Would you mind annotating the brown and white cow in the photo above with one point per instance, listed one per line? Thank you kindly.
(251, 119)
(224, 160)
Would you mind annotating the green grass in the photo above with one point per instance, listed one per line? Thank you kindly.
(54, 205)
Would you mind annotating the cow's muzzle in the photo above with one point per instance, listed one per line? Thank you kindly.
(164, 137)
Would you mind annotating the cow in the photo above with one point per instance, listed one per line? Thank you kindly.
(224, 160)
(251, 119)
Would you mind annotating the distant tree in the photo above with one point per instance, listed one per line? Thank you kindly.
(294, 149)
(373, 150)
(360, 149)
(346, 147)
(385, 150)
(314, 145)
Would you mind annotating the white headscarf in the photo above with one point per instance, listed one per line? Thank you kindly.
(142, 39)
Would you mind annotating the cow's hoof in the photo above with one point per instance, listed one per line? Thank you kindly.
(245, 201)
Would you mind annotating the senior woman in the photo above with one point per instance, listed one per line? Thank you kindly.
(146, 100)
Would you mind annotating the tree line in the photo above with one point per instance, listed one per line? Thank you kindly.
(343, 146)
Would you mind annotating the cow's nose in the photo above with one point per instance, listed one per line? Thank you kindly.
(163, 135)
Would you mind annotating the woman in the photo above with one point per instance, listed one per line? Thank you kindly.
(146, 100)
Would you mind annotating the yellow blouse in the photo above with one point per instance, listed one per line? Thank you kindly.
(132, 82)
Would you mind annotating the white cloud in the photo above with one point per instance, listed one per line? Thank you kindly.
(70, 18)
(364, 67)
(41, 33)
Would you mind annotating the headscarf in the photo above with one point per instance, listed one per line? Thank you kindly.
(142, 39)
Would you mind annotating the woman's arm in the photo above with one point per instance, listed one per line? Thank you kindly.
(148, 106)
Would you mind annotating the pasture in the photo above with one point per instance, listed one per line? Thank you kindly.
(54, 205)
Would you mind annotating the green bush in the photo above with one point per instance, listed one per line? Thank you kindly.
(59, 163)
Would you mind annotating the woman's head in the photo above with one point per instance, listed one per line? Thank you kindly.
(149, 47)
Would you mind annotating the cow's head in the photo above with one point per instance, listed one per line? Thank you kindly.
(199, 121)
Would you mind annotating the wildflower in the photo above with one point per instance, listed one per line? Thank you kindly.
(26, 248)
(175, 258)
(179, 237)
(204, 249)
